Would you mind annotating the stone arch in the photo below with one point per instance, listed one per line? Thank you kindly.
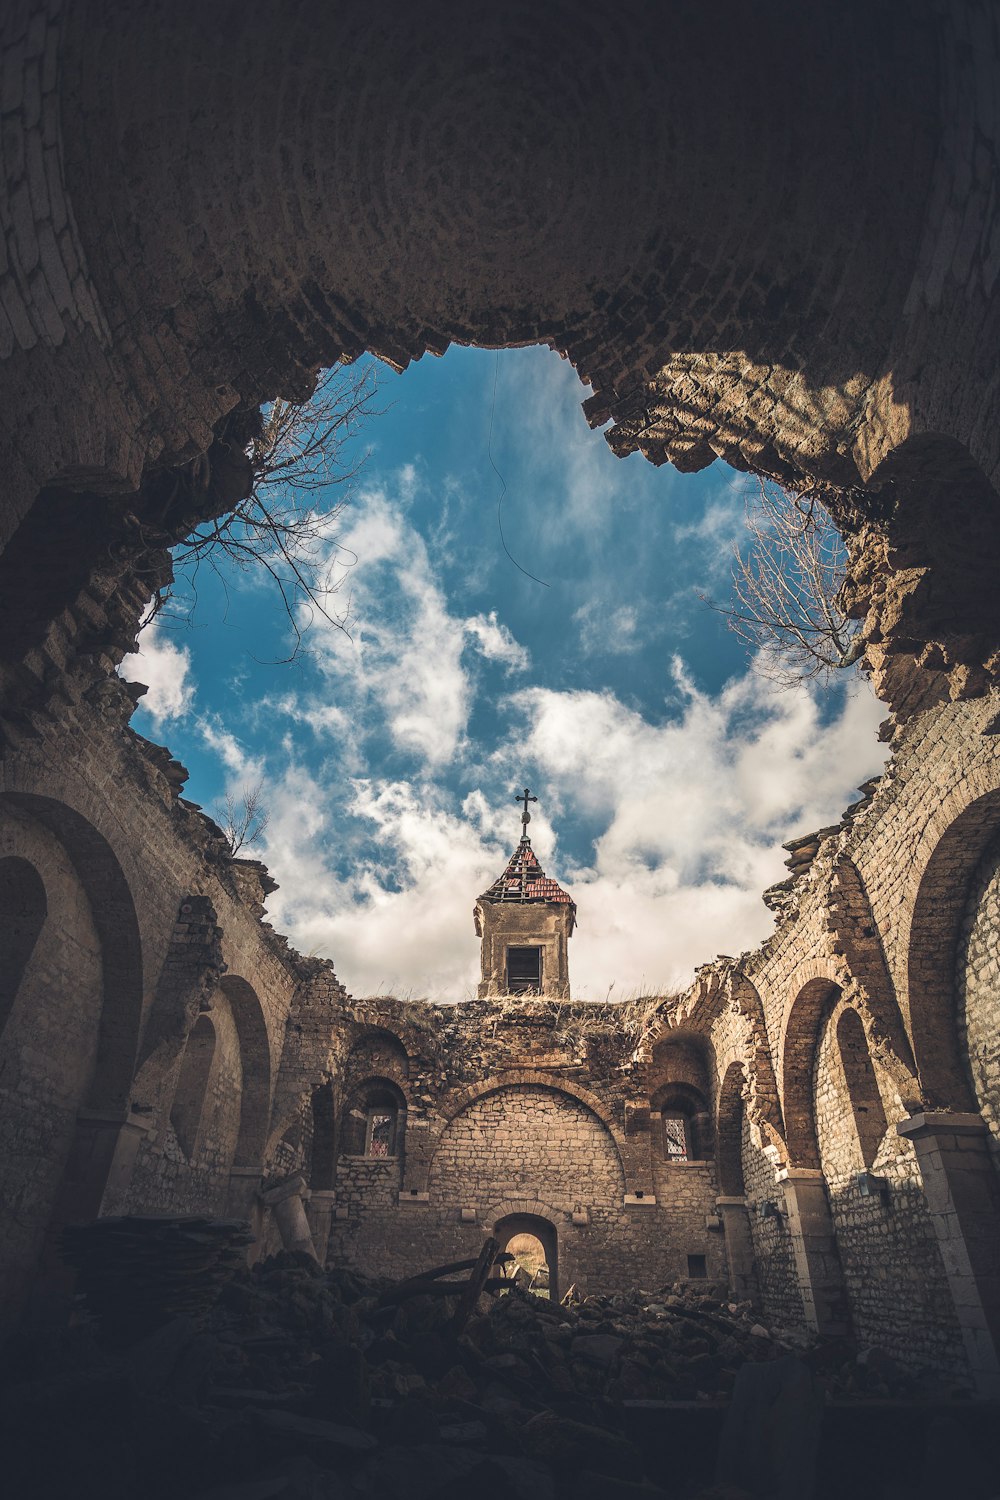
(456, 1161)
(377, 1049)
(729, 1130)
(804, 1018)
(868, 980)
(763, 1100)
(255, 1056)
(713, 310)
(192, 1085)
(23, 909)
(114, 915)
(544, 1229)
(953, 844)
(867, 1109)
(456, 1103)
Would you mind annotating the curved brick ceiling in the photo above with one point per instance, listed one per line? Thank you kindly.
(770, 236)
(719, 222)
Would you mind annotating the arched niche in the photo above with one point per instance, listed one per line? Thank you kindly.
(867, 1109)
(977, 984)
(729, 1131)
(193, 1084)
(23, 907)
(255, 1057)
(803, 1024)
(114, 916)
(680, 1077)
(964, 830)
(482, 1151)
(377, 1052)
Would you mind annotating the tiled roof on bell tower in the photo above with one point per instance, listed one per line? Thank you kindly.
(524, 880)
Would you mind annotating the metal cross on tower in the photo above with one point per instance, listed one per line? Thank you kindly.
(525, 797)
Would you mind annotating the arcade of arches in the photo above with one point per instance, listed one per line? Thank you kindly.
(803, 289)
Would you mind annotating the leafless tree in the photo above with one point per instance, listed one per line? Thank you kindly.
(786, 588)
(287, 524)
(244, 818)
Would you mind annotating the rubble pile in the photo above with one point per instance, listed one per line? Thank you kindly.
(137, 1273)
(305, 1384)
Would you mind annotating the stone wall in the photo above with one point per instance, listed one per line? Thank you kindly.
(777, 1285)
(860, 1012)
(978, 985)
(174, 1174)
(48, 1044)
(896, 1287)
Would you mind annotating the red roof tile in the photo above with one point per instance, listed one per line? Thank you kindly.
(525, 880)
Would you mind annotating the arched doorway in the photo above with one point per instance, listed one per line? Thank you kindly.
(533, 1240)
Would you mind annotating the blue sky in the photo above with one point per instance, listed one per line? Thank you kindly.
(668, 772)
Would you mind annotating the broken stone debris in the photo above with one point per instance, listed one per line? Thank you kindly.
(305, 1382)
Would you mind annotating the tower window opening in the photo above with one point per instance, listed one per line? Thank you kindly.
(524, 970)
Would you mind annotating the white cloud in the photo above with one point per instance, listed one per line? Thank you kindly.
(165, 668)
(576, 477)
(495, 642)
(401, 666)
(691, 813)
(244, 769)
(694, 811)
(608, 631)
(402, 925)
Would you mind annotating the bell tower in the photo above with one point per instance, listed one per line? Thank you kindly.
(525, 921)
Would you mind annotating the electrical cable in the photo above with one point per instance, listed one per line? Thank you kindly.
(489, 454)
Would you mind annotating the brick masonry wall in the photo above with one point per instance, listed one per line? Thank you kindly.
(528, 1148)
(896, 1287)
(168, 1179)
(779, 1296)
(978, 984)
(887, 943)
(47, 1050)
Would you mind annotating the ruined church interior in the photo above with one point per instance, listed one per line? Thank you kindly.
(266, 1239)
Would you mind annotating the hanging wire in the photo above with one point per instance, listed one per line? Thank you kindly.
(503, 482)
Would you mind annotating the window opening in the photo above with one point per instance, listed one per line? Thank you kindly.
(697, 1267)
(524, 970)
(676, 1138)
(380, 1136)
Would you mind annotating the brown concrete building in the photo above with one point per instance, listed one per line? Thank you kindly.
(799, 277)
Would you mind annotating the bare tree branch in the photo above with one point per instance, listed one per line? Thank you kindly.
(244, 819)
(287, 524)
(786, 588)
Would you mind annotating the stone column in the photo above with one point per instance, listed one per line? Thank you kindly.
(739, 1246)
(814, 1245)
(963, 1195)
(322, 1203)
(286, 1203)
